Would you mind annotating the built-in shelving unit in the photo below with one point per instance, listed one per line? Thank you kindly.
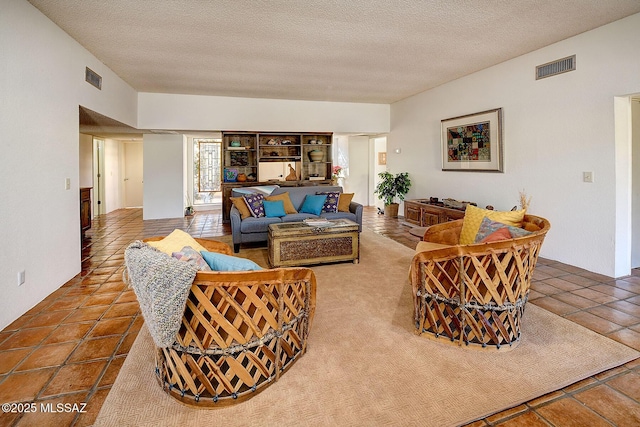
(263, 158)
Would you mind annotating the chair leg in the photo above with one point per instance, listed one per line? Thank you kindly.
(236, 247)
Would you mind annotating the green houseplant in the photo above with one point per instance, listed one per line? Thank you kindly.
(392, 187)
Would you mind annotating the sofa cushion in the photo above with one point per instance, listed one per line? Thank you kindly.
(274, 208)
(313, 203)
(298, 217)
(493, 231)
(496, 236)
(190, 255)
(258, 225)
(288, 206)
(255, 204)
(297, 194)
(344, 201)
(339, 215)
(473, 218)
(175, 241)
(331, 203)
(222, 262)
(242, 207)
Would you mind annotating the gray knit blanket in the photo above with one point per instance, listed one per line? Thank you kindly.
(162, 285)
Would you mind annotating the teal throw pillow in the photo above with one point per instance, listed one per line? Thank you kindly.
(274, 209)
(222, 262)
(313, 204)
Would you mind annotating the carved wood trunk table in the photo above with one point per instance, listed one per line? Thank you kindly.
(297, 244)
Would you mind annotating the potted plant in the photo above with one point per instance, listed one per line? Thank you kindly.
(188, 209)
(335, 174)
(392, 187)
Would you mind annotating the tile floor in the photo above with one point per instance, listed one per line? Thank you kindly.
(69, 348)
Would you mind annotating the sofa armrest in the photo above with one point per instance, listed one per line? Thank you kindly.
(236, 234)
(356, 209)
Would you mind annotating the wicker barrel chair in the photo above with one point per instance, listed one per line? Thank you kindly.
(474, 294)
(240, 332)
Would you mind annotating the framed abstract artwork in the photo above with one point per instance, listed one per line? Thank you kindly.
(473, 142)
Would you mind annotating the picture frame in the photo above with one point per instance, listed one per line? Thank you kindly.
(473, 142)
(230, 175)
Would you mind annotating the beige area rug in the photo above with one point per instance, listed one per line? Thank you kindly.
(364, 365)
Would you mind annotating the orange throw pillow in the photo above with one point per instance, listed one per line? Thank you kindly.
(241, 205)
(286, 200)
(344, 201)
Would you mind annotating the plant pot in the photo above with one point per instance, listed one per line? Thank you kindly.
(391, 210)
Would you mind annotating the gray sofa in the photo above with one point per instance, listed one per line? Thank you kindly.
(256, 229)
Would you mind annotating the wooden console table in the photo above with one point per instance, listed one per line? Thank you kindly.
(297, 244)
(424, 214)
(85, 209)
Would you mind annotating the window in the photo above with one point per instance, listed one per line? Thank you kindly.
(206, 169)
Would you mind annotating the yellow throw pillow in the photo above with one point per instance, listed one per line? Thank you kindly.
(241, 205)
(175, 241)
(343, 201)
(473, 218)
(288, 206)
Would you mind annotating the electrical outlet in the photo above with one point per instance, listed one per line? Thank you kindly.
(587, 176)
(21, 277)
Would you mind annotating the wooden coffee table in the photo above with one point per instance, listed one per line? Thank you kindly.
(296, 243)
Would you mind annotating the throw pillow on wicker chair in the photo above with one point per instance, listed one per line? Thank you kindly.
(493, 231)
(175, 241)
(473, 218)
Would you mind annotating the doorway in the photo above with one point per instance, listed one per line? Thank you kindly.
(133, 167)
(98, 177)
(379, 164)
(635, 182)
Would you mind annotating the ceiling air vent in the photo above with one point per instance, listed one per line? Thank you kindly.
(560, 66)
(93, 78)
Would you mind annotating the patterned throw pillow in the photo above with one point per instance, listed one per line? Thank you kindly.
(473, 217)
(331, 203)
(493, 231)
(190, 255)
(255, 203)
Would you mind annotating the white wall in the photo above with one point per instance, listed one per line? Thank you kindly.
(358, 181)
(85, 176)
(193, 112)
(635, 225)
(41, 86)
(163, 176)
(554, 129)
(379, 146)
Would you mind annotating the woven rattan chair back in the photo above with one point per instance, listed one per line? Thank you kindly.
(240, 332)
(475, 294)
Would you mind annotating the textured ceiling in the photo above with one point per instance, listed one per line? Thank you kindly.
(351, 50)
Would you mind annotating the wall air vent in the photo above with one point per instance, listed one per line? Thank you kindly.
(93, 78)
(560, 66)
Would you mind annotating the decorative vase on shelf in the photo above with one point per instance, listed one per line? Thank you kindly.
(316, 155)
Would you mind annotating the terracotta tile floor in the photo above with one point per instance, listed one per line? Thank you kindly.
(69, 348)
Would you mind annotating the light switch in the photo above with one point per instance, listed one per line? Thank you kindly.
(587, 176)
(67, 184)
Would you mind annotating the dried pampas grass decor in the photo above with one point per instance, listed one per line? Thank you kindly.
(524, 200)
